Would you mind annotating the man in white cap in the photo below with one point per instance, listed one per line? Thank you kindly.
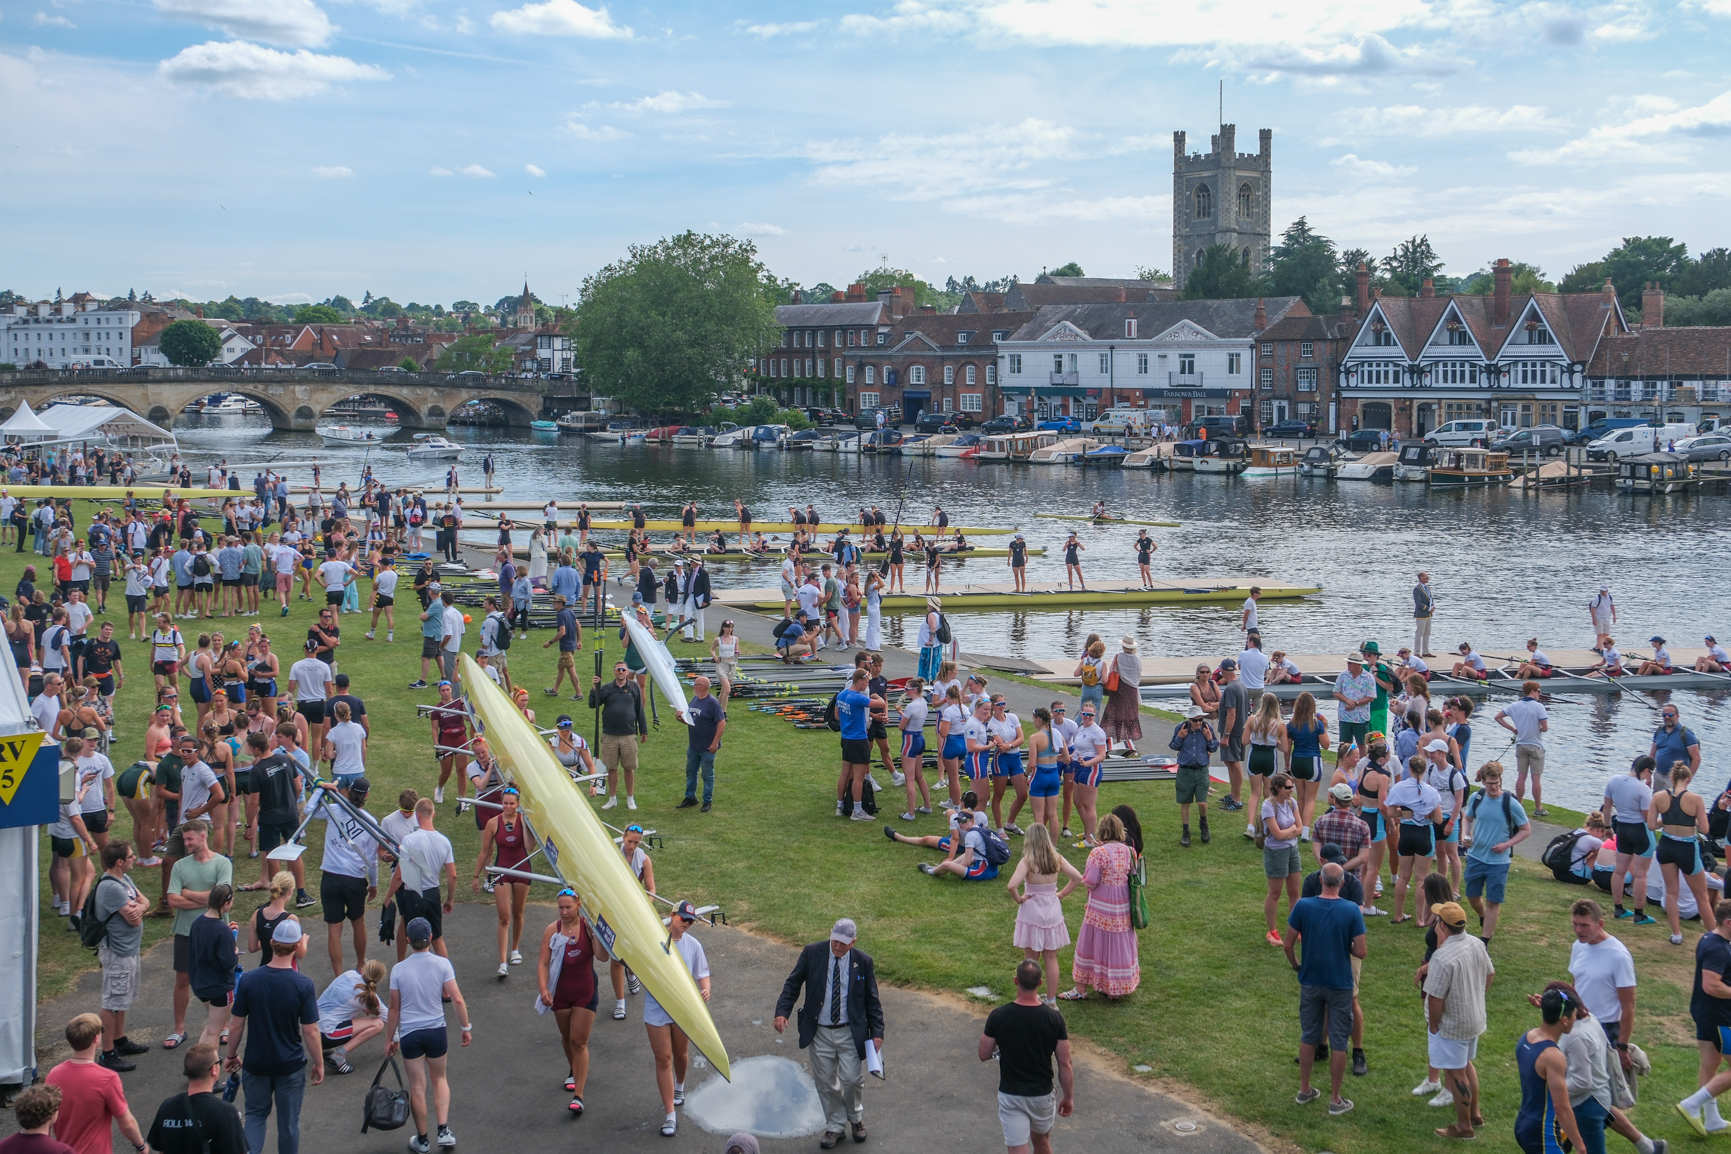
(281, 1004)
(841, 1016)
(1603, 611)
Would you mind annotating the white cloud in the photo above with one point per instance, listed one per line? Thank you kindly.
(237, 68)
(594, 135)
(43, 20)
(475, 170)
(1370, 55)
(1357, 166)
(534, 170)
(1659, 122)
(929, 167)
(1711, 7)
(1417, 120)
(295, 23)
(438, 170)
(560, 18)
(669, 102)
(759, 230)
(793, 29)
(333, 171)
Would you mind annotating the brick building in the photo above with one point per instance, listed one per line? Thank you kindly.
(939, 362)
(1297, 358)
(805, 366)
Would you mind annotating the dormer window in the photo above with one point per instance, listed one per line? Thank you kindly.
(1130, 328)
(964, 337)
(1000, 334)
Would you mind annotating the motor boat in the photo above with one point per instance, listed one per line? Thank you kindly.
(1106, 455)
(582, 422)
(337, 436)
(1229, 455)
(735, 438)
(1069, 451)
(691, 437)
(1323, 460)
(1272, 461)
(1370, 467)
(803, 441)
(544, 426)
(883, 443)
(433, 447)
(1469, 467)
(1415, 462)
(962, 446)
(1155, 456)
(841, 442)
(613, 433)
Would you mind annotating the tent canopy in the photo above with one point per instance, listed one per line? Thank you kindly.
(25, 423)
(107, 423)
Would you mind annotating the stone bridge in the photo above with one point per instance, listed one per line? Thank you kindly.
(293, 398)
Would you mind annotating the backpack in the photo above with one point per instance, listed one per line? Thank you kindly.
(781, 627)
(997, 849)
(201, 565)
(1559, 855)
(1508, 810)
(832, 713)
(1090, 673)
(92, 932)
(501, 632)
(943, 635)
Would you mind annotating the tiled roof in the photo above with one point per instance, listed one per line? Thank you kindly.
(1576, 319)
(1691, 353)
(819, 316)
(1223, 318)
(981, 302)
(941, 328)
(1027, 297)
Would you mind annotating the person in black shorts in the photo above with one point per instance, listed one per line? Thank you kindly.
(102, 661)
(1019, 562)
(1145, 547)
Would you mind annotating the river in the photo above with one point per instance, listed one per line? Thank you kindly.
(1503, 566)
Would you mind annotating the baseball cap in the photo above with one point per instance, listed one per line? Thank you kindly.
(843, 931)
(743, 1143)
(1656, 639)
(637, 599)
(1437, 745)
(1340, 792)
(421, 930)
(288, 932)
(685, 911)
(564, 721)
(1451, 915)
(361, 785)
(1332, 852)
(1229, 663)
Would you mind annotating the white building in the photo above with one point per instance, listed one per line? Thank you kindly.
(66, 336)
(554, 354)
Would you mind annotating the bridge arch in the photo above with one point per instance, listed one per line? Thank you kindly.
(410, 415)
(517, 414)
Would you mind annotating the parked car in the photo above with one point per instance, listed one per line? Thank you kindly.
(1602, 428)
(1706, 447)
(1060, 425)
(818, 415)
(868, 418)
(1364, 440)
(1637, 440)
(1293, 428)
(932, 421)
(998, 426)
(1546, 440)
(323, 367)
(1238, 426)
(1463, 434)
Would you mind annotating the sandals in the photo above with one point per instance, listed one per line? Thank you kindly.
(575, 1107)
(173, 1041)
(1401, 921)
(342, 1067)
(1072, 996)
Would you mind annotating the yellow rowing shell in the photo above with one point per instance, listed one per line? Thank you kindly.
(780, 527)
(119, 492)
(618, 910)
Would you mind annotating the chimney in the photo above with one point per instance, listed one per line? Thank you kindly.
(1362, 301)
(1427, 289)
(1653, 306)
(1261, 315)
(1505, 276)
(1608, 294)
(837, 297)
(198, 311)
(856, 293)
(402, 320)
(928, 309)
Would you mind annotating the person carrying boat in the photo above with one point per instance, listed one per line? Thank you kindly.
(1610, 663)
(1536, 664)
(1471, 666)
(1660, 663)
(1716, 660)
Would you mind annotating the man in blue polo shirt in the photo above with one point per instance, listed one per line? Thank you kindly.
(853, 707)
(708, 722)
(1673, 742)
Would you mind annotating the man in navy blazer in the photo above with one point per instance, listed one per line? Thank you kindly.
(841, 1012)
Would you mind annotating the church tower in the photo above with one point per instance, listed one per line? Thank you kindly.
(1221, 197)
(525, 317)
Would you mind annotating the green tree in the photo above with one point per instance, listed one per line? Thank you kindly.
(761, 411)
(476, 353)
(190, 343)
(408, 365)
(1148, 272)
(318, 315)
(1404, 270)
(1221, 274)
(1583, 278)
(1640, 259)
(675, 322)
(1304, 264)
(1524, 278)
(1706, 273)
(1071, 269)
(883, 277)
(1712, 308)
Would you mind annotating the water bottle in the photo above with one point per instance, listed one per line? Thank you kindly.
(231, 1088)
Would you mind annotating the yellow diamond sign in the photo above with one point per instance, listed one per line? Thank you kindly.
(16, 754)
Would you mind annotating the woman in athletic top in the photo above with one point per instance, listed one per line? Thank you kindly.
(573, 753)
(637, 858)
(744, 515)
(350, 1013)
(934, 567)
(724, 651)
(216, 753)
(897, 558)
(1305, 738)
(231, 673)
(199, 674)
(565, 971)
(450, 738)
(156, 736)
(1073, 549)
(913, 739)
(1043, 790)
(1266, 732)
(1680, 814)
(669, 1044)
(262, 669)
(1373, 783)
(1545, 1120)
(267, 917)
(952, 716)
(20, 637)
(507, 837)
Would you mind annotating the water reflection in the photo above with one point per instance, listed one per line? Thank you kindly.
(769, 1096)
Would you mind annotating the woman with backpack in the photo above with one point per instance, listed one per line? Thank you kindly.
(1122, 717)
(1091, 669)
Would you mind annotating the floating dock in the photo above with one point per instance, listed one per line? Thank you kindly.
(659, 525)
(1056, 595)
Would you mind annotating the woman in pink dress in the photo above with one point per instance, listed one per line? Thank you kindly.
(1106, 948)
(1040, 929)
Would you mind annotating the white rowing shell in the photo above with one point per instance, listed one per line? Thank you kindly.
(660, 664)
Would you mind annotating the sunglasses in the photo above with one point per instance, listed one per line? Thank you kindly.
(564, 725)
(633, 828)
(512, 790)
(1087, 713)
(443, 685)
(567, 892)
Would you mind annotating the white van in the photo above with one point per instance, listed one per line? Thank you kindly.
(1122, 422)
(1462, 434)
(1636, 441)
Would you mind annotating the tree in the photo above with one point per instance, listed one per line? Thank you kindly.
(883, 277)
(675, 322)
(1524, 278)
(1304, 264)
(1071, 269)
(1712, 308)
(1221, 274)
(190, 343)
(408, 365)
(318, 315)
(1404, 270)
(1583, 278)
(1640, 259)
(475, 353)
(1148, 272)
(1706, 273)
(820, 292)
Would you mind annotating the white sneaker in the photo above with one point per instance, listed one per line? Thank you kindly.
(504, 969)
(898, 778)
(630, 802)
(1249, 830)
(516, 957)
(368, 635)
(1428, 1086)
(390, 635)
(905, 817)
(438, 795)
(1443, 1098)
(859, 815)
(611, 802)
(1304, 835)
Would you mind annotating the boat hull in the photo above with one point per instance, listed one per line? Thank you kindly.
(1447, 479)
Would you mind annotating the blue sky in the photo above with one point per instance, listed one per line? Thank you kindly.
(437, 151)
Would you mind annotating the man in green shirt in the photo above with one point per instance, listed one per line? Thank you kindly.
(1385, 682)
(189, 886)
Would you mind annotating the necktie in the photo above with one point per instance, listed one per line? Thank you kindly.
(835, 992)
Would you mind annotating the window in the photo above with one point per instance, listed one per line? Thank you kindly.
(1070, 362)
(1382, 373)
(1186, 364)
(1266, 378)
(1380, 337)
(838, 367)
(809, 369)
(1306, 410)
(849, 374)
(1454, 373)
(1142, 363)
(991, 375)
(883, 337)
(1234, 364)
(784, 371)
(1268, 350)
(971, 402)
(838, 338)
(822, 366)
(868, 400)
(850, 337)
(1540, 336)
(1000, 334)
(871, 377)
(820, 339)
(798, 339)
(1130, 328)
(1306, 349)
(1535, 373)
(1307, 380)
(1057, 362)
(1105, 363)
(949, 374)
(917, 375)
(1267, 413)
(1015, 363)
(949, 404)
(970, 374)
(964, 337)
(1204, 202)
(1246, 199)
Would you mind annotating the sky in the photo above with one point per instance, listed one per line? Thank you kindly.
(433, 150)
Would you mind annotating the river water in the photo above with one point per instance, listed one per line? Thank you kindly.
(1503, 566)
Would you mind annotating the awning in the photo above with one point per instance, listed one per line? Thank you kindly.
(25, 423)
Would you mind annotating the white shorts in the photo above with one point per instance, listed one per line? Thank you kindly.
(653, 1014)
(1022, 1117)
(1450, 1053)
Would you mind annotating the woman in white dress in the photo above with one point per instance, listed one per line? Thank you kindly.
(874, 600)
(538, 559)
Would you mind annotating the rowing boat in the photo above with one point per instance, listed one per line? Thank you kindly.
(1323, 683)
(579, 850)
(660, 662)
(142, 492)
(1320, 686)
(1056, 595)
(768, 527)
(1101, 520)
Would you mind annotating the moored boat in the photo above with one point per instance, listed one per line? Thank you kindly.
(1229, 455)
(1323, 460)
(1105, 455)
(959, 446)
(1656, 473)
(1415, 462)
(1461, 467)
(1272, 461)
(1370, 467)
(1065, 452)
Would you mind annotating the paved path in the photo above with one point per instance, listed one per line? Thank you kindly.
(507, 1087)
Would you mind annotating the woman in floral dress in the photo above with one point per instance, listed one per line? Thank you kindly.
(1106, 948)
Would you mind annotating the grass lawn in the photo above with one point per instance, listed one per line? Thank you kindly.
(1216, 1015)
